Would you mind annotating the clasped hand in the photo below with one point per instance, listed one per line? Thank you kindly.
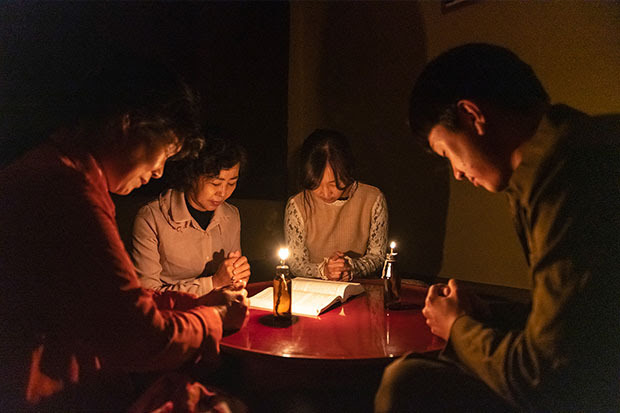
(233, 271)
(338, 268)
(446, 302)
(232, 304)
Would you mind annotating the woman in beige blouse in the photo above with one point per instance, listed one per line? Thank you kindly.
(336, 227)
(189, 238)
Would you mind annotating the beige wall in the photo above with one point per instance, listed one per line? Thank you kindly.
(352, 66)
(574, 47)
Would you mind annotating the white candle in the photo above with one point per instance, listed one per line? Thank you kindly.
(392, 246)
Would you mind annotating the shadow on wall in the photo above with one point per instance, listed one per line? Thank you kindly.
(262, 234)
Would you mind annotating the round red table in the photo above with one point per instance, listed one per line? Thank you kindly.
(330, 363)
(360, 329)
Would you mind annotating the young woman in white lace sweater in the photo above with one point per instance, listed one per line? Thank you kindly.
(336, 227)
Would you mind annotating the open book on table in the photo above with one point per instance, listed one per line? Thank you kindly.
(310, 296)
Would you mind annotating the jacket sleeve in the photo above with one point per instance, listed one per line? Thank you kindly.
(144, 251)
(236, 230)
(107, 309)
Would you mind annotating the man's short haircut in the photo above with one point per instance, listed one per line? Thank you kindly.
(478, 72)
(214, 155)
(154, 97)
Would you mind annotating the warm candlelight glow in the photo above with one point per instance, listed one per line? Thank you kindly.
(283, 253)
(392, 246)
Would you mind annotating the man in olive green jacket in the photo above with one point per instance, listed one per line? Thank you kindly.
(484, 110)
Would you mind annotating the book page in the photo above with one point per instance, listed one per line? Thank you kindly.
(310, 297)
(337, 288)
(311, 304)
(304, 303)
(263, 300)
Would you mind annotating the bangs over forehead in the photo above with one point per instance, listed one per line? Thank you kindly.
(321, 147)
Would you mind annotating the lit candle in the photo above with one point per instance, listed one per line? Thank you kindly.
(282, 291)
(283, 254)
(392, 246)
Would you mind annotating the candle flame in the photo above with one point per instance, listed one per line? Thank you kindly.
(283, 253)
(392, 245)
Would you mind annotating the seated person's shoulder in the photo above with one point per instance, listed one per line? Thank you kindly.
(369, 190)
(294, 200)
(148, 208)
(229, 210)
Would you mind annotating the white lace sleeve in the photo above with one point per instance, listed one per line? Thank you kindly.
(295, 234)
(372, 260)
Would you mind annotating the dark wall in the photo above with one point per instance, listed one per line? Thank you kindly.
(242, 63)
(367, 56)
(235, 54)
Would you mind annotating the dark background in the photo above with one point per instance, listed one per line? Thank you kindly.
(350, 68)
(235, 54)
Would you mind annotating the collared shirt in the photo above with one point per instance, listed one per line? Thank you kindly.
(172, 252)
(71, 306)
(565, 197)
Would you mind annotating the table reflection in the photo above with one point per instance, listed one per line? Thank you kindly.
(359, 329)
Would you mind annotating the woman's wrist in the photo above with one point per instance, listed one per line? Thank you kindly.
(352, 270)
(321, 269)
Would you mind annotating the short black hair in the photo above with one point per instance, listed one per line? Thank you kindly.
(478, 71)
(213, 155)
(320, 147)
(156, 99)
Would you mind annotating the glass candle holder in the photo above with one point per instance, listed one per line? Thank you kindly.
(282, 288)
